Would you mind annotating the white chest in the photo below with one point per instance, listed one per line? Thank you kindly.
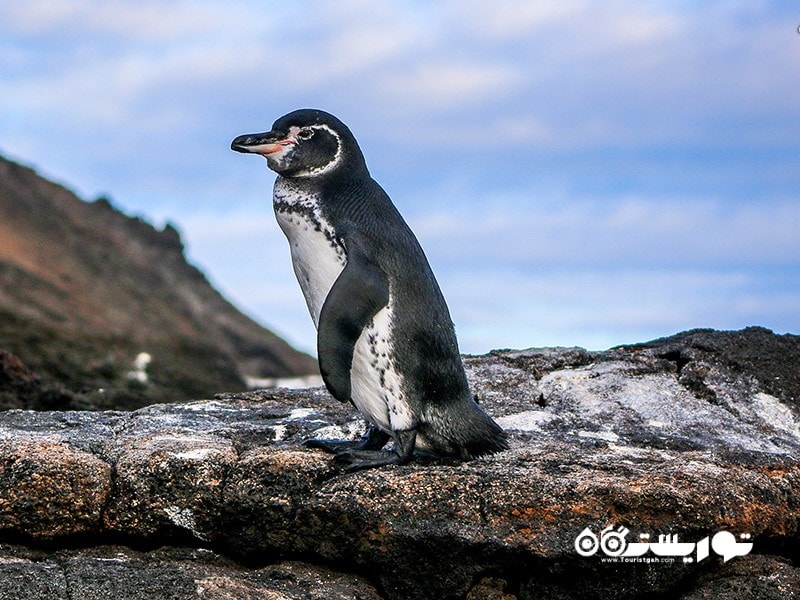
(317, 257)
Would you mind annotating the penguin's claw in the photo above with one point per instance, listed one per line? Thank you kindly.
(373, 439)
(357, 460)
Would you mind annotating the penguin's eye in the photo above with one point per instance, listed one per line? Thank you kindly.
(305, 134)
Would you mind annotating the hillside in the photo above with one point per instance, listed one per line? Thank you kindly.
(85, 289)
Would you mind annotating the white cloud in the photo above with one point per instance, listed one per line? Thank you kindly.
(455, 86)
(624, 231)
(605, 103)
(509, 19)
(601, 273)
(141, 21)
(371, 37)
(543, 279)
(554, 76)
(598, 309)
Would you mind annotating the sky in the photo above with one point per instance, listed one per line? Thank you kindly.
(579, 173)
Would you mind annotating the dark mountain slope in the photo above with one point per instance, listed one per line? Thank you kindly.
(84, 289)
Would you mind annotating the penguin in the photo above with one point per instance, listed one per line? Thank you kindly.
(385, 338)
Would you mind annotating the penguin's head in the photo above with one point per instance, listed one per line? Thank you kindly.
(305, 143)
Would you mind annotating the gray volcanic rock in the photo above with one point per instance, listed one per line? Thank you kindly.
(168, 573)
(688, 436)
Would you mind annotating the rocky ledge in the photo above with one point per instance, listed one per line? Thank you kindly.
(692, 440)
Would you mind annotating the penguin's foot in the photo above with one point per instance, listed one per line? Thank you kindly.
(357, 460)
(373, 439)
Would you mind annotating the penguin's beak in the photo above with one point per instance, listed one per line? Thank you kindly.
(261, 143)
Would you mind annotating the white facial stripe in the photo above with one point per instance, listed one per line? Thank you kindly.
(337, 158)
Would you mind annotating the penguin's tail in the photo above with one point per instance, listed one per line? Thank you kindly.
(484, 436)
(464, 431)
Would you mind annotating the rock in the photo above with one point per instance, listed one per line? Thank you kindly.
(13, 371)
(113, 572)
(20, 387)
(17, 381)
(757, 578)
(690, 436)
(50, 490)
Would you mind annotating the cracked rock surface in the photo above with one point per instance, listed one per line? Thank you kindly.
(686, 436)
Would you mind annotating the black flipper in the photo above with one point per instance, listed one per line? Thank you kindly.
(361, 290)
(373, 439)
(357, 460)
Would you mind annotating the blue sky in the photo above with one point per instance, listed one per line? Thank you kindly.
(579, 172)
